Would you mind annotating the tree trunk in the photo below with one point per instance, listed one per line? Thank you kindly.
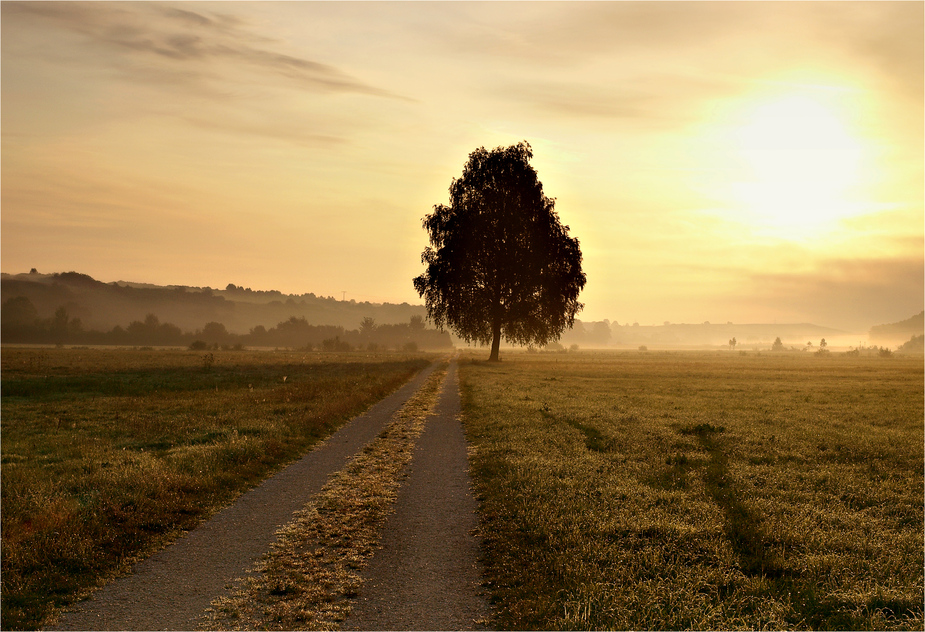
(495, 341)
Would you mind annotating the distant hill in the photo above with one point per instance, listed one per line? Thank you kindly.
(899, 332)
(102, 306)
(263, 317)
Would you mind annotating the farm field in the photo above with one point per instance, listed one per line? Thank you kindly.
(109, 453)
(699, 490)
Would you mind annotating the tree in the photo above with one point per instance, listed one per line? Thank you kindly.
(733, 342)
(367, 327)
(59, 325)
(500, 262)
(19, 313)
(778, 345)
(214, 332)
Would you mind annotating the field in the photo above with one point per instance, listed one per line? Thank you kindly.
(626, 490)
(700, 490)
(106, 454)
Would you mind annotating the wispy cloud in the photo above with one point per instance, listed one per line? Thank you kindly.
(182, 42)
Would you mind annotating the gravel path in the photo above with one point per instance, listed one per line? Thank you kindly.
(426, 576)
(172, 588)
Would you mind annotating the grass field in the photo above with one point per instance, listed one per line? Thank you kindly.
(700, 490)
(108, 453)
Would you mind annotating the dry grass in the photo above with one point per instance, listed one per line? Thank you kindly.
(308, 578)
(700, 490)
(108, 454)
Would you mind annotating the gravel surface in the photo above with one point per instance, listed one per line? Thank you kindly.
(427, 576)
(172, 588)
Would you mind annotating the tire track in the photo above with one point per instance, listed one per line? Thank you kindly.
(427, 574)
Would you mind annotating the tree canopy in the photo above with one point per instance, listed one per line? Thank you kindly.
(500, 262)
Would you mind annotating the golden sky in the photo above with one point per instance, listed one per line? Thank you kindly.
(734, 161)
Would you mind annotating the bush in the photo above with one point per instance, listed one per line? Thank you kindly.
(643, 348)
(885, 353)
(198, 345)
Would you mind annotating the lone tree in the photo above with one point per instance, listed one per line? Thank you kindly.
(500, 262)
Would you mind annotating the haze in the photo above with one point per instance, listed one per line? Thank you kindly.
(746, 162)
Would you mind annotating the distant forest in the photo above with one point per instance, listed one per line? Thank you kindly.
(74, 308)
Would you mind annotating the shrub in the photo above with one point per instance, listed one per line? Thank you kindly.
(198, 345)
(643, 348)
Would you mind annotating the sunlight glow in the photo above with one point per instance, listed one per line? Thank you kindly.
(801, 167)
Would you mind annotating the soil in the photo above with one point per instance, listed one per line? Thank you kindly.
(426, 576)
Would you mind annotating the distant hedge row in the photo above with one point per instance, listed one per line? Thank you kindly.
(21, 324)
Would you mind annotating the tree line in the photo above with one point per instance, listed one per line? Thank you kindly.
(21, 324)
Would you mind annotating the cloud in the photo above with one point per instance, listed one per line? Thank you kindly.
(283, 129)
(186, 44)
(886, 35)
(657, 101)
(852, 294)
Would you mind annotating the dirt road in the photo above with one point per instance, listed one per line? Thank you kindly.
(426, 576)
(427, 543)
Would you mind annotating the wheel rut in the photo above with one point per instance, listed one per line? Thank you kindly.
(426, 575)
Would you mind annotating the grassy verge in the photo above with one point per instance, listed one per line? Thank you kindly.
(108, 454)
(700, 490)
(306, 581)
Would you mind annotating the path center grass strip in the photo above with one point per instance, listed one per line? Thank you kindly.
(306, 581)
(109, 453)
(698, 490)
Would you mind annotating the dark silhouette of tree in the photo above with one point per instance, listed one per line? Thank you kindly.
(733, 342)
(214, 332)
(500, 262)
(367, 327)
(59, 325)
(778, 345)
(19, 313)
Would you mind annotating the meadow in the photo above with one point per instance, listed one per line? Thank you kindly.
(699, 490)
(109, 453)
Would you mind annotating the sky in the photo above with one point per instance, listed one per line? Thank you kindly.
(748, 162)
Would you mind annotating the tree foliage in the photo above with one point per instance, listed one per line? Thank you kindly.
(500, 261)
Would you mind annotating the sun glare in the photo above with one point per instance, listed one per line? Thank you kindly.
(800, 166)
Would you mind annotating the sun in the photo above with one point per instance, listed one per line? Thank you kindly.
(798, 167)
